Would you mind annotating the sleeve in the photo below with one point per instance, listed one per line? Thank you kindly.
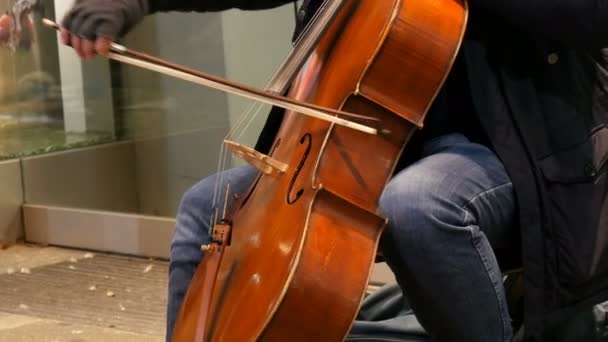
(212, 5)
(582, 23)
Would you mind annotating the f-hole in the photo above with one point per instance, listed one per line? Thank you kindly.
(306, 139)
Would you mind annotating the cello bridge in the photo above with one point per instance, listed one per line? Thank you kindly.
(260, 161)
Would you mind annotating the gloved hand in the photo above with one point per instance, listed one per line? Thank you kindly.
(91, 25)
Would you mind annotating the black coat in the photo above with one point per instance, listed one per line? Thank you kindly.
(538, 78)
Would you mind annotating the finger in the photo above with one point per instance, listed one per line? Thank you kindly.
(65, 37)
(88, 49)
(77, 45)
(102, 46)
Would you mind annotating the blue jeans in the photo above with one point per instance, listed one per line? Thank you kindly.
(446, 212)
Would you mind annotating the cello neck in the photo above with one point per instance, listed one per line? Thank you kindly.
(304, 46)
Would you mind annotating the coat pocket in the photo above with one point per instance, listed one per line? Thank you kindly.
(577, 207)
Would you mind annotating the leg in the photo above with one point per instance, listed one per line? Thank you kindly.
(446, 214)
(192, 230)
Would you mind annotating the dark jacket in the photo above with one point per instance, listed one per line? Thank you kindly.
(538, 78)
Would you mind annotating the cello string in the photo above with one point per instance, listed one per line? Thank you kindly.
(275, 77)
(234, 133)
(224, 155)
(272, 85)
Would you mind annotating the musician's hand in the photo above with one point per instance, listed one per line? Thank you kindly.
(91, 25)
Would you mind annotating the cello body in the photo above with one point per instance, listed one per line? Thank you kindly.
(292, 260)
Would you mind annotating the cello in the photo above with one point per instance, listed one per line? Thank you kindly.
(291, 258)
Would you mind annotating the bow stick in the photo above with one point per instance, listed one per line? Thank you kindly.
(123, 54)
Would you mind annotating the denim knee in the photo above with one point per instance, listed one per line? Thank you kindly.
(197, 201)
(417, 214)
(196, 211)
(194, 217)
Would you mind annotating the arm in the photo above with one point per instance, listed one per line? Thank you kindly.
(580, 23)
(212, 5)
(91, 25)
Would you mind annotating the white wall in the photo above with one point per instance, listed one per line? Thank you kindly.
(255, 44)
(178, 126)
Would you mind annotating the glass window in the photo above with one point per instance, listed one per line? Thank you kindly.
(111, 136)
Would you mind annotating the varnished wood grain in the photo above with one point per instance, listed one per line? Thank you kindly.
(304, 242)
